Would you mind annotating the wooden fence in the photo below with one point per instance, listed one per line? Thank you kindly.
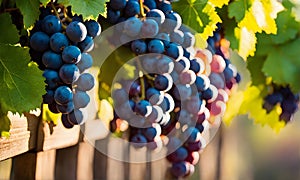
(38, 150)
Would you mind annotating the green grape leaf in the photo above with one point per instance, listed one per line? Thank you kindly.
(287, 26)
(282, 64)
(198, 15)
(256, 16)
(30, 11)
(89, 9)
(237, 9)
(21, 82)
(254, 65)
(10, 33)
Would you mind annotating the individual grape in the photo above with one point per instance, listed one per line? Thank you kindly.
(76, 31)
(189, 40)
(156, 114)
(187, 77)
(86, 45)
(178, 155)
(69, 73)
(204, 115)
(81, 99)
(65, 108)
(39, 41)
(52, 60)
(113, 16)
(149, 63)
(274, 98)
(182, 65)
(149, 28)
(135, 89)
(154, 96)
(51, 24)
(218, 64)
(93, 28)
(138, 140)
(52, 78)
(168, 104)
(163, 82)
(58, 42)
(164, 37)
(151, 4)
(139, 47)
(71, 54)
(165, 6)
(143, 108)
(85, 62)
(210, 94)
(177, 37)
(217, 108)
(150, 133)
(85, 82)
(173, 22)
(132, 8)
(217, 80)
(65, 121)
(174, 51)
(63, 95)
(164, 65)
(202, 82)
(191, 135)
(117, 4)
(156, 46)
(77, 117)
(193, 157)
(132, 26)
(157, 15)
(194, 146)
(48, 98)
(197, 65)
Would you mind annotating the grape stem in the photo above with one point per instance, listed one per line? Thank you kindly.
(57, 15)
(142, 8)
(141, 75)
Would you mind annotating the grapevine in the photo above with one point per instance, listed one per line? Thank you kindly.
(172, 75)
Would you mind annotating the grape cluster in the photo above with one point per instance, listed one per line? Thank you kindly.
(287, 100)
(180, 89)
(61, 45)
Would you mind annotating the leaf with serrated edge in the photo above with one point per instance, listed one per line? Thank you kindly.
(247, 42)
(30, 11)
(10, 33)
(253, 106)
(89, 9)
(21, 84)
(283, 65)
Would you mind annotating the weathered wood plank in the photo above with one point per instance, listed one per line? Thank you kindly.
(5, 167)
(45, 165)
(22, 135)
(24, 166)
(85, 161)
(100, 159)
(56, 137)
(66, 163)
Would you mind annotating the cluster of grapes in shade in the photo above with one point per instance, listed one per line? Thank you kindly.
(61, 45)
(285, 98)
(179, 91)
